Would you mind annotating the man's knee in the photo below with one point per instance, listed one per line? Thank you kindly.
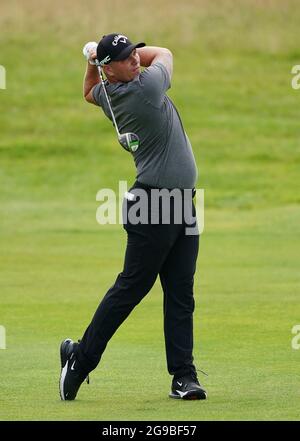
(134, 287)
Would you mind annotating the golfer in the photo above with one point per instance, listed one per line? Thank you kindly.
(164, 161)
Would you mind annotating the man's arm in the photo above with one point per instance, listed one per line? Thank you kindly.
(91, 78)
(150, 55)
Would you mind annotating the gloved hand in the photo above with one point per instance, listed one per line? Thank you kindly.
(90, 51)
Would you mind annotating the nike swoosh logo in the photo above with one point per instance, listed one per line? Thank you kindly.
(182, 394)
(180, 384)
(72, 367)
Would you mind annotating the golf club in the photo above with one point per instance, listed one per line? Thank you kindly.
(129, 141)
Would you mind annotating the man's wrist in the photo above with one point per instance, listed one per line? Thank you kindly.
(91, 66)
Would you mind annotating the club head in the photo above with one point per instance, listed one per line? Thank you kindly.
(129, 141)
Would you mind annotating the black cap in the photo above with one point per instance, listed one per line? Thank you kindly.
(115, 47)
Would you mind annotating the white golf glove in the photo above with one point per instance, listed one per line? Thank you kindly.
(88, 50)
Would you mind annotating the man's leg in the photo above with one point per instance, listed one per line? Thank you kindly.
(177, 279)
(143, 260)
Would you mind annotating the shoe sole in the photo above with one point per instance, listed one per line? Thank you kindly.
(191, 395)
(64, 367)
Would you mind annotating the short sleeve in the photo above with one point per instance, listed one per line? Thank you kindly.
(155, 81)
(97, 93)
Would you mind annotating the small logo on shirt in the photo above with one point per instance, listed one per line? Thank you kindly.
(119, 38)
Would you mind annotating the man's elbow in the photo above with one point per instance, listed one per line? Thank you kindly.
(167, 52)
(88, 96)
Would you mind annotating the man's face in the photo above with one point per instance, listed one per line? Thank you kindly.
(125, 70)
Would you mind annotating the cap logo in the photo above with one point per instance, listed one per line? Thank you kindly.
(119, 38)
(105, 60)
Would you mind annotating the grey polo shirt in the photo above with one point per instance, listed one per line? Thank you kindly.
(164, 158)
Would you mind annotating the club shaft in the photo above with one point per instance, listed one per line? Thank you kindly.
(107, 98)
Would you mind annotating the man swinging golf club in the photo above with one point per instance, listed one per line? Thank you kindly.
(149, 127)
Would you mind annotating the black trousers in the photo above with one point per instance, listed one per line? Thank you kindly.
(152, 249)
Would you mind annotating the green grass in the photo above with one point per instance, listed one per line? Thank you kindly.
(232, 87)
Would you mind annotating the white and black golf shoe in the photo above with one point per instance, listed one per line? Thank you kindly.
(187, 388)
(71, 376)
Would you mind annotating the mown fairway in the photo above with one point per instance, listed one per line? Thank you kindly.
(232, 86)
